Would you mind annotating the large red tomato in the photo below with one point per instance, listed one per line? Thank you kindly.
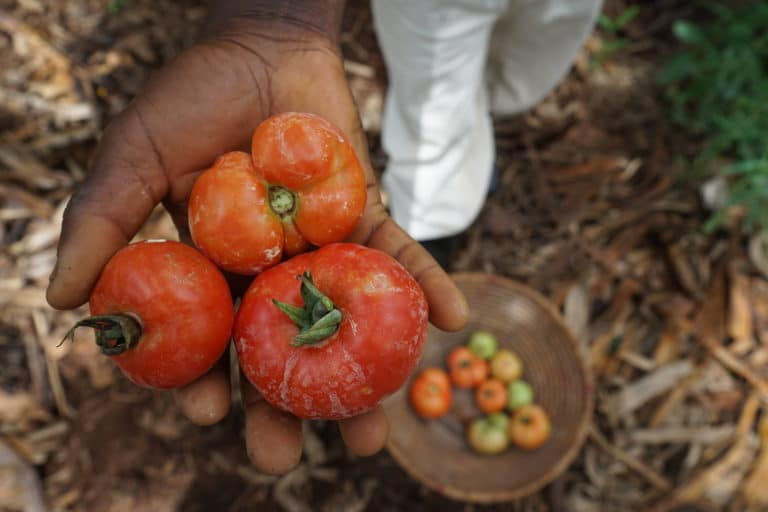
(162, 311)
(302, 185)
(337, 340)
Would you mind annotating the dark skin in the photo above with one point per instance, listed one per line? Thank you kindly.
(257, 58)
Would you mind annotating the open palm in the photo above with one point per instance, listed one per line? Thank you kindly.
(207, 102)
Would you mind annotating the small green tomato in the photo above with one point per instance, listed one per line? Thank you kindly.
(483, 344)
(519, 394)
(485, 436)
(506, 366)
(498, 420)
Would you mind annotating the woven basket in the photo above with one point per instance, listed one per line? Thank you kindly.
(436, 452)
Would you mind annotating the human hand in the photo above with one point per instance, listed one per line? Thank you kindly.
(206, 102)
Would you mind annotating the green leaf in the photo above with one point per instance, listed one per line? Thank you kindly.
(628, 15)
(678, 67)
(605, 23)
(688, 32)
(115, 6)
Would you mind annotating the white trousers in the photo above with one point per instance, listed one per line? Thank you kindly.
(451, 64)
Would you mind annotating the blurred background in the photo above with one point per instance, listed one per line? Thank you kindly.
(634, 196)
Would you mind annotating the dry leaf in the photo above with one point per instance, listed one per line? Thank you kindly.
(646, 388)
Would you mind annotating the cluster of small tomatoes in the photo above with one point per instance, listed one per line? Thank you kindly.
(326, 329)
(495, 375)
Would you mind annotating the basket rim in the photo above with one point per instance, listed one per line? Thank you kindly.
(584, 422)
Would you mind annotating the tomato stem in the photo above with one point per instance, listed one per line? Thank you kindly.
(114, 333)
(281, 200)
(317, 320)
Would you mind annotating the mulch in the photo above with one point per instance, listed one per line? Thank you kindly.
(595, 210)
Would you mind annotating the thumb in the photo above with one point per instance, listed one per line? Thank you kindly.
(126, 181)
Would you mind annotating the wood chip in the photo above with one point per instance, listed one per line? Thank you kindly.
(24, 166)
(740, 321)
(646, 388)
(674, 398)
(576, 311)
(758, 252)
(670, 342)
(706, 482)
(682, 435)
(684, 270)
(19, 409)
(755, 490)
(29, 490)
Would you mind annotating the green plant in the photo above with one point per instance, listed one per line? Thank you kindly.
(716, 87)
(116, 6)
(613, 29)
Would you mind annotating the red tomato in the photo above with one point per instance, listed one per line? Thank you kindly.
(491, 396)
(302, 185)
(466, 369)
(183, 307)
(431, 394)
(333, 368)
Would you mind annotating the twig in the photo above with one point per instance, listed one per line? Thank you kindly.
(736, 365)
(698, 486)
(59, 395)
(630, 461)
(35, 361)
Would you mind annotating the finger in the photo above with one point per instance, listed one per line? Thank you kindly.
(365, 434)
(273, 438)
(124, 185)
(448, 308)
(206, 401)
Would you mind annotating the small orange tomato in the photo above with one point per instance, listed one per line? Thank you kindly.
(431, 394)
(467, 370)
(491, 396)
(480, 370)
(529, 427)
(459, 365)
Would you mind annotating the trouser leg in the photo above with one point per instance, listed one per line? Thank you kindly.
(436, 127)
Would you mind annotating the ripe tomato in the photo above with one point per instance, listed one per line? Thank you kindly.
(163, 313)
(466, 369)
(529, 427)
(491, 396)
(302, 185)
(337, 341)
(431, 394)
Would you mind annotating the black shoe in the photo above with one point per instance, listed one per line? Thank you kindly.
(443, 249)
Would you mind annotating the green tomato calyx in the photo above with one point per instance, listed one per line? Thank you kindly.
(281, 200)
(114, 333)
(317, 320)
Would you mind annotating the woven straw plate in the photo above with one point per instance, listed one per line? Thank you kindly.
(436, 453)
